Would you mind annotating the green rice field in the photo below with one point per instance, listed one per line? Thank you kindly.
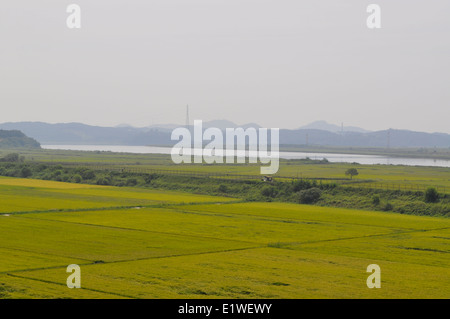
(140, 243)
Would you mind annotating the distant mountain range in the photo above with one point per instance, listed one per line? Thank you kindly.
(318, 133)
(220, 124)
(324, 126)
(77, 133)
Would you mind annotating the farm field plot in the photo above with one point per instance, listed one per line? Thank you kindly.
(99, 243)
(255, 273)
(26, 195)
(285, 211)
(209, 247)
(266, 230)
(417, 247)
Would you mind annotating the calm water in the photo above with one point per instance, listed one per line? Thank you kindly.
(334, 158)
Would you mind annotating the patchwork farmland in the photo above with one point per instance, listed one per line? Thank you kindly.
(141, 243)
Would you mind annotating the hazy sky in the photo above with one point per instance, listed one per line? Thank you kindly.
(279, 63)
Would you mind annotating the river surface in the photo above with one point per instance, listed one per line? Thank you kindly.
(331, 157)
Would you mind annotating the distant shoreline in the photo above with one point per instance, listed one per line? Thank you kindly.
(441, 153)
(425, 153)
(288, 154)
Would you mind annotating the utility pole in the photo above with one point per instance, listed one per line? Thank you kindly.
(389, 139)
(187, 117)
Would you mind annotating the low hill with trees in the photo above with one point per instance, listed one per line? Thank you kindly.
(16, 139)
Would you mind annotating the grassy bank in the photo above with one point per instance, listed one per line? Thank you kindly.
(304, 191)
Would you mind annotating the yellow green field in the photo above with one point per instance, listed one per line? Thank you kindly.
(375, 176)
(405, 176)
(138, 243)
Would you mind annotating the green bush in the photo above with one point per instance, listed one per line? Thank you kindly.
(57, 173)
(77, 178)
(87, 174)
(12, 158)
(104, 181)
(132, 182)
(268, 191)
(12, 172)
(148, 178)
(26, 172)
(303, 184)
(431, 195)
(376, 200)
(309, 196)
(223, 188)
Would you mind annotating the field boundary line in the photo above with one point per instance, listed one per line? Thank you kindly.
(361, 237)
(60, 284)
(7, 272)
(93, 263)
(157, 205)
(140, 230)
(182, 255)
(44, 253)
(334, 254)
(315, 220)
(290, 220)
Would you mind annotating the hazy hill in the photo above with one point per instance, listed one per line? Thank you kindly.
(325, 126)
(76, 133)
(16, 139)
(382, 139)
(221, 124)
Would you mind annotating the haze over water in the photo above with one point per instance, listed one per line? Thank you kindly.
(331, 157)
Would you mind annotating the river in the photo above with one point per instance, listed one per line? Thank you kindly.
(331, 157)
